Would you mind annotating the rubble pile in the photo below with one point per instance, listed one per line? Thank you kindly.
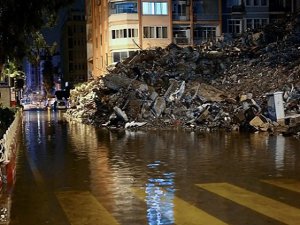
(214, 85)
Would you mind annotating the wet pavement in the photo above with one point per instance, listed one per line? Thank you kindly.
(74, 174)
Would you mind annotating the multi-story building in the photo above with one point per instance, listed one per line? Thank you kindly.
(73, 47)
(280, 8)
(116, 29)
(240, 15)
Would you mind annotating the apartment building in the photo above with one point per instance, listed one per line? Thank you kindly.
(73, 47)
(240, 15)
(118, 28)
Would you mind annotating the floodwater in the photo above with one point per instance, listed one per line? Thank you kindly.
(74, 174)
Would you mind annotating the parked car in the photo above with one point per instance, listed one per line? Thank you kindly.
(61, 104)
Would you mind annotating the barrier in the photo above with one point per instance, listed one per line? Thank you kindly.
(8, 142)
(8, 148)
(8, 151)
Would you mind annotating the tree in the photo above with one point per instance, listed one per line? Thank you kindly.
(11, 70)
(34, 54)
(40, 50)
(49, 70)
(20, 18)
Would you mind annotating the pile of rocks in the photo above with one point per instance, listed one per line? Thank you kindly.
(211, 86)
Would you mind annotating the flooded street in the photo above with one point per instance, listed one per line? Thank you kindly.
(73, 174)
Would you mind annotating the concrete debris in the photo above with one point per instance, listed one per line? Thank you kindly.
(220, 85)
(134, 124)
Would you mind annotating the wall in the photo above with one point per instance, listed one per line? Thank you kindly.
(5, 96)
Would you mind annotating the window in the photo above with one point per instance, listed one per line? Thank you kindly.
(264, 2)
(70, 67)
(264, 22)
(205, 33)
(124, 33)
(123, 7)
(233, 3)
(119, 56)
(235, 26)
(161, 32)
(70, 42)
(155, 8)
(71, 56)
(256, 2)
(70, 31)
(256, 23)
(155, 32)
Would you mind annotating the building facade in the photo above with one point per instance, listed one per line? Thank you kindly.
(73, 47)
(116, 29)
(241, 15)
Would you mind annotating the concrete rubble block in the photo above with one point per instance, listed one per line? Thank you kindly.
(177, 94)
(211, 93)
(153, 95)
(159, 106)
(120, 113)
(143, 88)
(133, 108)
(134, 124)
(203, 116)
(240, 116)
(260, 123)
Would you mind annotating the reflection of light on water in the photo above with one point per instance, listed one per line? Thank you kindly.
(39, 132)
(279, 155)
(159, 198)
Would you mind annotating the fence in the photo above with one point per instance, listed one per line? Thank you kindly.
(8, 142)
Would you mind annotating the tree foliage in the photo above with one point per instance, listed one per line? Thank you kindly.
(11, 70)
(19, 18)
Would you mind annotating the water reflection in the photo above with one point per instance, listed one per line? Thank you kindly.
(110, 165)
(160, 191)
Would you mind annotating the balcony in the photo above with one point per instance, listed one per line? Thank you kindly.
(123, 17)
(181, 41)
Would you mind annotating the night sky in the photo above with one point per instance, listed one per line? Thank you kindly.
(53, 34)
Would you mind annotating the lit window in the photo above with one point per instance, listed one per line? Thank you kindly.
(155, 8)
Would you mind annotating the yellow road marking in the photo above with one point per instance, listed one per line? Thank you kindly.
(264, 205)
(185, 213)
(289, 184)
(82, 208)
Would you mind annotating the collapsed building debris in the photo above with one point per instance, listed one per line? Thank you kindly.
(214, 85)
